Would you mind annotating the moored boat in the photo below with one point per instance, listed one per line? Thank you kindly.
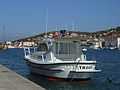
(63, 58)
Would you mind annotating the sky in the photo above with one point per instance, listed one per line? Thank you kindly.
(23, 18)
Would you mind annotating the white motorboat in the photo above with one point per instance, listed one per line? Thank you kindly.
(62, 58)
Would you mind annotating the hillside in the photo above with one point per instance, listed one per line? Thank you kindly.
(98, 34)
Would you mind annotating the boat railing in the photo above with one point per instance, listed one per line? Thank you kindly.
(29, 50)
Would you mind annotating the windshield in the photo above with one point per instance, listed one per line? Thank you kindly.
(42, 47)
(65, 48)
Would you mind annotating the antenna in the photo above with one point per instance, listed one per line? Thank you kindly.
(65, 27)
(73, 26)
(46, 21)
(3, 27)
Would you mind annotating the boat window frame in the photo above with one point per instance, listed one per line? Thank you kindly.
(68, 50)
(41, 48)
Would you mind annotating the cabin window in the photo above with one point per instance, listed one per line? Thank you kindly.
(42, 47)
(65, 48)
(39, 57)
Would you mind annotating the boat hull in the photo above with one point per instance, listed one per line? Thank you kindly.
(58, 71)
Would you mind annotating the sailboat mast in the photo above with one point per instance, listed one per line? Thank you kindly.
(73, 26)
(3, 28)
(46, 21)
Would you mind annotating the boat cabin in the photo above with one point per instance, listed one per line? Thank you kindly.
(67, 49)
(62, 49)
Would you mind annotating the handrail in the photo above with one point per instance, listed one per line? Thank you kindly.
(28, 50)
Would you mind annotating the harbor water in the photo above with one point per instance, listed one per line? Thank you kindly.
(107, 60)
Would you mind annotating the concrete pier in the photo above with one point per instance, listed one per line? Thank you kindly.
(10, 80)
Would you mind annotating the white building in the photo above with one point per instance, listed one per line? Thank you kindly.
(74, 34)
(27, 43)
(8, 42)
(98, 44)
(118, 42)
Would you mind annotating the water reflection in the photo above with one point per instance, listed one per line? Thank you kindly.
(94, 84)
(59, 84)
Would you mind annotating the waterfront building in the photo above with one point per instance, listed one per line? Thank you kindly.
(118, 42)
(111, 40)
(8, 42)
(28, 43)
(95, 43)
(74, 34)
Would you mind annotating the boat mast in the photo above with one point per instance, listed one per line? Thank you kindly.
(4, 39)
(58, 46)
(73, 26)
(46, 23)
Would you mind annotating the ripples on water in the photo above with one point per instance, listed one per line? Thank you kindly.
(108, 79)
